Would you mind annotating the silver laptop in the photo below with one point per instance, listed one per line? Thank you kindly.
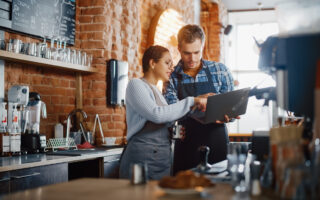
(232, 103)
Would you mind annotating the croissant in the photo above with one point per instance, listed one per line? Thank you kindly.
(184, 180)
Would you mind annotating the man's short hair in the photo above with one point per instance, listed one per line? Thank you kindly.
(190, 33)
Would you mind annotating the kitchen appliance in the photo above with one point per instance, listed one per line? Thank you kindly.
(36, 108)
(292, 61)
(117, 80)
(18, 98)
(4, 137)
(3, 117)
(32, 141)
(17, 101)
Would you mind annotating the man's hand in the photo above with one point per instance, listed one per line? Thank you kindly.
(226, 119)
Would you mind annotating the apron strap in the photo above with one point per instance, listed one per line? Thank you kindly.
(209, 77)
(155, 94)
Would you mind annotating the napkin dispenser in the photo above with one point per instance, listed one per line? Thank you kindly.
(117, 80)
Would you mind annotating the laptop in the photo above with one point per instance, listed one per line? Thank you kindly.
(232, 103)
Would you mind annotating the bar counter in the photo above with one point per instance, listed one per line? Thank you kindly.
(118, 189)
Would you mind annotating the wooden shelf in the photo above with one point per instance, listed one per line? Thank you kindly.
(22, 58)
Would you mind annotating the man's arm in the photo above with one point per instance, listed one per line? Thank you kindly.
(226, 79)
(170, 92)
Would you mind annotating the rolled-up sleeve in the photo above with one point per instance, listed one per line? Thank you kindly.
(171, 93)
(226, 79)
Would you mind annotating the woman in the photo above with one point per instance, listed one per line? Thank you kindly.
(149, 116)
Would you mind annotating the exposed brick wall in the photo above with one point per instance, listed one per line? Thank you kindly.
(149, 8)
(108, 29)
(209, 19)
(212, 16)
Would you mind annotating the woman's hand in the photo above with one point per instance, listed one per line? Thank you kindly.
(206, 95)
(200, 102)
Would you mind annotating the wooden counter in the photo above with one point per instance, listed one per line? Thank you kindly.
(113, 189)
(118, 189)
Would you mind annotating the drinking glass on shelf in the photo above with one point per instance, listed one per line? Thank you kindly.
(62, 50)
(47, 52)
(42, 48)
(54, 50)
(32, 49)
(78, 57)
(17, 44)
(83, 58)
(9, 46)
(89, 60)
(2, 44)
(73, 56)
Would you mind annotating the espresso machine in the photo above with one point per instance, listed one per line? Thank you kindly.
(32, 141)
(12, 122)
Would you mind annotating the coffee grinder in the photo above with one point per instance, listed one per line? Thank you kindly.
(32, 141)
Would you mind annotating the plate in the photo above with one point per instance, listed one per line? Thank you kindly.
(190, 191)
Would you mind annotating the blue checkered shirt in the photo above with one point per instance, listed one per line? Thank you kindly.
(221, 78)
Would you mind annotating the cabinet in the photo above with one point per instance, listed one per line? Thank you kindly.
(22, 179)
(4, 183)
(111, 166)
(82, 169)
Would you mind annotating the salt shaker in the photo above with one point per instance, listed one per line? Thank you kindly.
(139, 173)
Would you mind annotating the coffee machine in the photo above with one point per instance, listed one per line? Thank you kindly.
(12, 120)
(32, 141)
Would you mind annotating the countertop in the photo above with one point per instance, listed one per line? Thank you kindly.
(94, 188)
(41, 159)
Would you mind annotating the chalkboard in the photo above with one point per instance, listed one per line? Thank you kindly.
(51, 18)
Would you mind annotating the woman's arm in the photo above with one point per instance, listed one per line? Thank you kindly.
(140, 97)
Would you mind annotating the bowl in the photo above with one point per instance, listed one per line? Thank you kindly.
(110, 141)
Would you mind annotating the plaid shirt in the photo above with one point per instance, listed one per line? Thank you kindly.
(221, 77)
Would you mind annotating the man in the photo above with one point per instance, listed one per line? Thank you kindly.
(194, 76)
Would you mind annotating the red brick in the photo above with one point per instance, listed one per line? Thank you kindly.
(95, 93)
(87, 3)
(99, 84)
(72, 84)
(85, 19)
(92, 45)
(55, 82)
(92, 27)
(92, 11)
(55, 99)
(64, 83)
(46, 99)
(99, 19)
(111, 125)
(120, 125)
(87, 101)
(118, 118)
(70, 92)
(99, 102)
(96, 109)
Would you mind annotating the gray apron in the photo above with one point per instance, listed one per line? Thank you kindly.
(215, 136)
(151, 145)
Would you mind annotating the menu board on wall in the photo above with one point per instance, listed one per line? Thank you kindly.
(45, 18)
